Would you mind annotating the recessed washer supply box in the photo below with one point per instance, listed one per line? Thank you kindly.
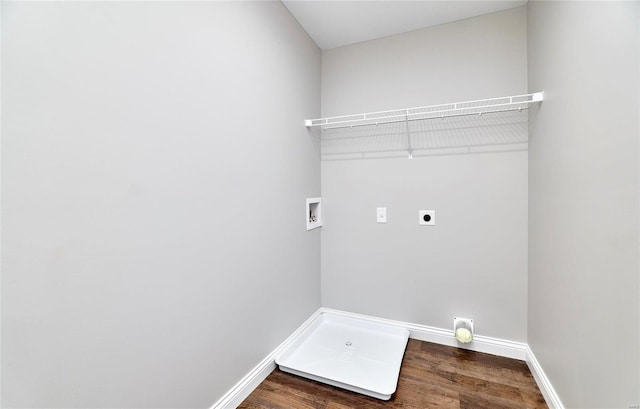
(314, 212)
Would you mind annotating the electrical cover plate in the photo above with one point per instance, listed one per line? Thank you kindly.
(427, 218)
(381, 214)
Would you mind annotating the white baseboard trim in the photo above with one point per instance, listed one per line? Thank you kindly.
(550, 395)
(494, 346)
(239, 392)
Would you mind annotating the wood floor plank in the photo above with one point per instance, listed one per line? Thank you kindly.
(502, 370)
(431, 376)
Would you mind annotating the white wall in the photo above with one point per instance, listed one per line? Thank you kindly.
(154, 175)
(583, 201)
(473, 263)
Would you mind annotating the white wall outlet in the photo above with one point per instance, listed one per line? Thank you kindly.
(427, 217)
(381, 214)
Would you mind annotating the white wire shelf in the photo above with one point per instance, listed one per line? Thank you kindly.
(477, 107)
(496, 123)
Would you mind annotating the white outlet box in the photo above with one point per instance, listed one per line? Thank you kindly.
(381, 214)
(427, 217)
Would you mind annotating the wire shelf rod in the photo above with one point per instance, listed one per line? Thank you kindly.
(393, 121)
(401, 117)
(405, 112)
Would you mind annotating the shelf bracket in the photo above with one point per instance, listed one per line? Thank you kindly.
(537, 96)
(406, 124)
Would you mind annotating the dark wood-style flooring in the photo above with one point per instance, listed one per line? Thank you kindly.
(432, 376)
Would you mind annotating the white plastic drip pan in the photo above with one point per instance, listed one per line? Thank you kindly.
(349, 353)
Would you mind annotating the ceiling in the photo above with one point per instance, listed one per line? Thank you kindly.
(334, 24)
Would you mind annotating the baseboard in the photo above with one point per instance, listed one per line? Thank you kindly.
(550, 395)
(494, 346)
(249, 382)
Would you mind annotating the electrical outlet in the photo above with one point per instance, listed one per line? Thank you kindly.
(381, 214)
(427, 217)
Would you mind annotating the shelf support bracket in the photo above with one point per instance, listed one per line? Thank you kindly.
(406, 124)
(537, 96)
